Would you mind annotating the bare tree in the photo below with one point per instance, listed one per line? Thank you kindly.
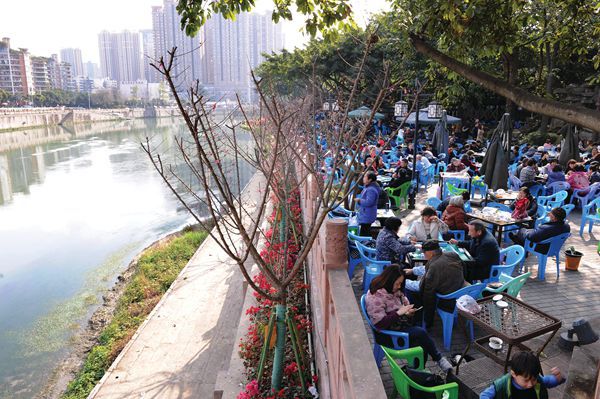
(288, 148)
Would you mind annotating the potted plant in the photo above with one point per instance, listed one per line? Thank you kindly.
(573, 258)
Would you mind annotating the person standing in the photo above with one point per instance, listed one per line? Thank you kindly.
(367, 202)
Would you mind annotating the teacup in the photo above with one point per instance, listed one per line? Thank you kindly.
(495, 343)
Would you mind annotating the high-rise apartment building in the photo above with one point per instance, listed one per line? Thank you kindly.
(91, 70)
(15, 70)
(120, 56)
(233, 48)
(73, 57)
(148, 53)
(166, 25)
(49, 73)
(40, 67)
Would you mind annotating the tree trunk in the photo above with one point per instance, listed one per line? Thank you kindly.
(576, 114)
(550, 57)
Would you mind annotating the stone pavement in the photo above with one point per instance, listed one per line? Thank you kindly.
(569, 296)
(189, 336)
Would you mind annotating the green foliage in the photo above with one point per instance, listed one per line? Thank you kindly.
(156, 271)
(537, 138)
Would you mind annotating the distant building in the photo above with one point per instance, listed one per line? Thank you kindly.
(148, 53)
(92, 70)
(40, 67)
(166, 25)
(120, 56)
(232, 49)
(85, 84)
(140, 90)
(15, 70)
(73, 57)
(49, 73)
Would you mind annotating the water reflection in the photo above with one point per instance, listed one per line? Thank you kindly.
(75, 207)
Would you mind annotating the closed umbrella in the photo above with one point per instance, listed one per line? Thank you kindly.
(569, 147)
(364, 112)
(440, 135)
(497, 156)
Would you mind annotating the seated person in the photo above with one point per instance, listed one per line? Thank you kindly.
(553, 228)
(455, 166)
(594, 172)
(578, 178)
(389, 309)
(454, 214)
(444, 204)
(528, 173)
(555, 174)
(402, 174)
(524, 379)
(443, 275)
(549, 167)
(465, 160)
(428, 227)
(483, 247)
(389, 246)
(532, 206)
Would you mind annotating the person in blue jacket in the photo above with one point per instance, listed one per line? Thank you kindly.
(524, 380)
(555, 227)
(369, 197)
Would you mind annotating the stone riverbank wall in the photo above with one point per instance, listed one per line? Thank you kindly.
(19, 118)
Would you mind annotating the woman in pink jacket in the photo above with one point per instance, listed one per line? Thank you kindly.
(578, 178)
(389, 309)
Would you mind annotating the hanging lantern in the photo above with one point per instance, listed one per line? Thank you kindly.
(401, 109)
(434, 110)
(335, 107)
(326, 106)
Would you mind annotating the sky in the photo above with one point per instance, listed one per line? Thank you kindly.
(46, 26)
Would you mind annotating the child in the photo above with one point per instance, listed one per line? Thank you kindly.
(524, 380)
(521, 205)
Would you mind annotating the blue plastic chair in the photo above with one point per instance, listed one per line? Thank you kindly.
(512, 169)
(440, 167)
(433, 202)
(373, 268)
(457, 234)
(557, 186)
(591, 215)
(427, 176)
(536, 190)
(448, 319)
(510, 257)
(514, 183)
(546, 218)
(583, 196)
(399, 339)
(478, 184)
(353, 254)
(552, 201)
(556, 244)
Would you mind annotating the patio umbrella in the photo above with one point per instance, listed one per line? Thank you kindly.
(364, 112)
(440, 135)
(569, 147)
(495, 162)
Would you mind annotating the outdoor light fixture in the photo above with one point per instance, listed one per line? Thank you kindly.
(335, 107)
(434, 110)
(326, 106)
(400, 109)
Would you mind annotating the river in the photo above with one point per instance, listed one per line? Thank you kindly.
(76, 205)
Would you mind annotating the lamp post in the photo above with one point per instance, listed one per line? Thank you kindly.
(434, 111)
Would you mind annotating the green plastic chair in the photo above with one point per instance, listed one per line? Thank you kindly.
(399, 193)
(511, 285)
(453, 190)
(403, 383)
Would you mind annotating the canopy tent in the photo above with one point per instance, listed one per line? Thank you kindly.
(497, 156)
(440, 135)
(364, 112)
(569, 147)
(424, 120)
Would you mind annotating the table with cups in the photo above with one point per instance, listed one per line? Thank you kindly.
(498, 219)
(507, 322)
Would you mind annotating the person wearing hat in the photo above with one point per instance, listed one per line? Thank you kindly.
(555, 227)
(484, 249)
(443, 275)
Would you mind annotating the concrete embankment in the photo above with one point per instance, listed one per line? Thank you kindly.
(19, 118)
(190, 335)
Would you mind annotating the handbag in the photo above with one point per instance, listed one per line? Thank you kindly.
(423, 378)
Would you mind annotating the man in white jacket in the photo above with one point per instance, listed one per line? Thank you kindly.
(429, 227)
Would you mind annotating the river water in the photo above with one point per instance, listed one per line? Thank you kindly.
(76, 205)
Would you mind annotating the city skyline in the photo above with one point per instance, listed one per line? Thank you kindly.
(74, 29)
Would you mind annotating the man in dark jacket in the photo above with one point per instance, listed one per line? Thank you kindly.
(483, 247)
(402, 174)
(555, 227)
(444, 275)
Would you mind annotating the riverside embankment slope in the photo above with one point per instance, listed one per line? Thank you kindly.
(190, 335)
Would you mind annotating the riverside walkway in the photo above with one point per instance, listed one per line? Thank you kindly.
(190, 335)
(571, 296)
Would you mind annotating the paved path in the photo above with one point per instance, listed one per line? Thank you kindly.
(570, 296)
(189, 337)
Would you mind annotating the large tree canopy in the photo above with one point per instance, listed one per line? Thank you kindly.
(520, 50)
